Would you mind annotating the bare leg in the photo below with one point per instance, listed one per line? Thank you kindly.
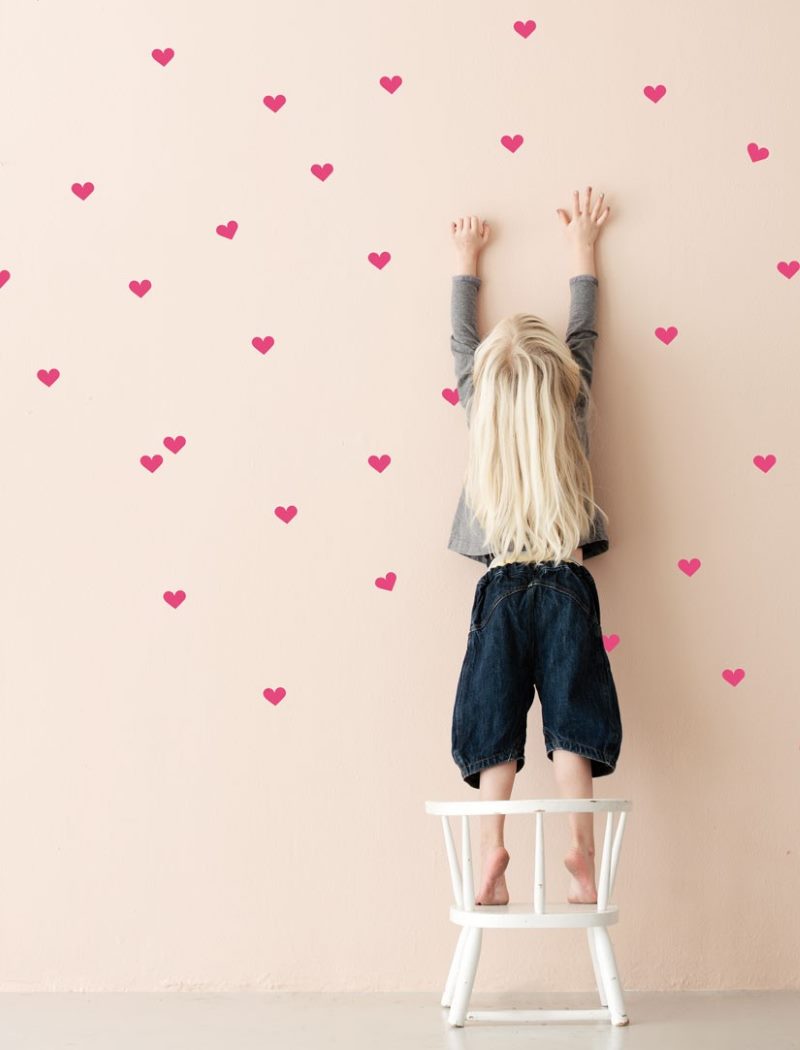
(573, 775)
(495, 784)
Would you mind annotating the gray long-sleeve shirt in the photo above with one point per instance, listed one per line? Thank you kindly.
(466, 536)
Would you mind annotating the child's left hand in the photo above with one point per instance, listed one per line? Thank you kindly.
(470, 234)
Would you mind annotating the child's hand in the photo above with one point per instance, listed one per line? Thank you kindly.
(470, 235)
(585, 225)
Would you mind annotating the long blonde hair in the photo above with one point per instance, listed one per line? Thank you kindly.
(528, 480)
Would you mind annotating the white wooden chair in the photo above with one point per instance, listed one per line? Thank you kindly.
(474, 919)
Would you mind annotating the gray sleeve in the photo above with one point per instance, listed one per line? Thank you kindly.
(464, 338)
(581, 332)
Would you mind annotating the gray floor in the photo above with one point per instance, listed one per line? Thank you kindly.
(380, 1021)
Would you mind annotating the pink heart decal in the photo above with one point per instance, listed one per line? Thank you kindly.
(84, 190)
(379, 260)
(380, 463)
(689, 566)
(764, 463)
(228, 229)
(789, 269)
(162, 57)
(391, 83)
(274, 102)
(275, 695)
(757, 152)
(175, 444)
(512, 142)
(262, 345)
(666, 335)
(174, 598)
(140, 288)
(525, 28)
(451, 395)
(386, 583)
(655, 93)
(733, 677)
(48, 378)
(151, 463)
(322, 171)
(610, 641)
(4, 276)
(285, 513)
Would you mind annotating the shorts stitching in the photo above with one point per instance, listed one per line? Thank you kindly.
(562, 743)
(502, 598)
(575, 598)
(537, 583)
(492, 760)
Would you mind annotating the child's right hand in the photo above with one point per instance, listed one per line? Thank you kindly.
(583, 228)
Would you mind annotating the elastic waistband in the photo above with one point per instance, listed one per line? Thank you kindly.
(532, 568)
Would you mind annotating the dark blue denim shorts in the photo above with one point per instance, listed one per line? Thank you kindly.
(535, 627)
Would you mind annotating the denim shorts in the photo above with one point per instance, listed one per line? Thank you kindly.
(535, 626)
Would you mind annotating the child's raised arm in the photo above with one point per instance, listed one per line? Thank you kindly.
(469, 237)
(582, 230)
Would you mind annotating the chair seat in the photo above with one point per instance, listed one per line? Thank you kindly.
(560, 914)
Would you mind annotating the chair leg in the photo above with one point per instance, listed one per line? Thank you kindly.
(608, 967)
(450, 986)
(598, 976)
(466, 976)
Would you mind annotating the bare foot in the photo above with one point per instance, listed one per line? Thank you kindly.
(580, 864)
(493, 887)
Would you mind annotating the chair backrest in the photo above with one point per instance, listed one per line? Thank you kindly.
(462, 877)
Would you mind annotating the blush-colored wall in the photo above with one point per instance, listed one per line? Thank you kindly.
(165, 824)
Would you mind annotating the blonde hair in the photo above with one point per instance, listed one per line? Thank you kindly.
(528, 480)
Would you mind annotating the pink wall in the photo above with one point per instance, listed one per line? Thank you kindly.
(165, 824)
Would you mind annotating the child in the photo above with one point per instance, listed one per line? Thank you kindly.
(527, 512)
